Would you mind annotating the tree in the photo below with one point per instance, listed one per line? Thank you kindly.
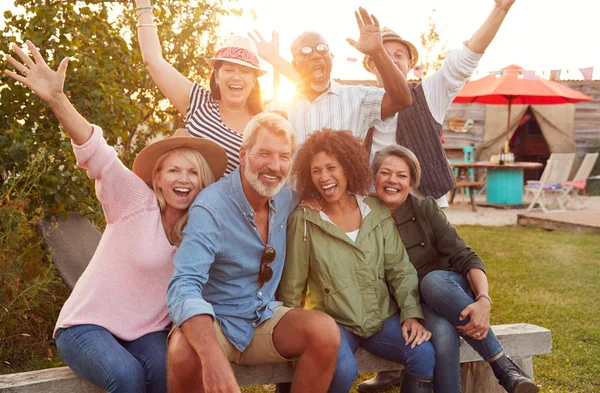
(435, 48)
(107, 83)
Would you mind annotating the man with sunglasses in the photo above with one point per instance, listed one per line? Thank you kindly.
(222, 294)
(322, 103)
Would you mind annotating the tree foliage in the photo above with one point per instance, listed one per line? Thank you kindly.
(106, 82)
(435, 48)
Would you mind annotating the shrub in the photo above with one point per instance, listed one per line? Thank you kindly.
(31, 293)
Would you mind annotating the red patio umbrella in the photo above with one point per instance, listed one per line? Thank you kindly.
(511, 87)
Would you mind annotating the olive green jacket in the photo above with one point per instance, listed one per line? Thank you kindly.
(431, 241)
(349, 280)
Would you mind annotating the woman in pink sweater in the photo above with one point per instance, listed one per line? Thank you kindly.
(113, 328)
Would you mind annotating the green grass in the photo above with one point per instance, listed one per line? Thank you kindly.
(550, 279)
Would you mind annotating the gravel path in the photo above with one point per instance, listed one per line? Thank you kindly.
(460, 213)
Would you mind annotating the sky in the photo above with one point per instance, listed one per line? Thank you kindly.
(538, 35)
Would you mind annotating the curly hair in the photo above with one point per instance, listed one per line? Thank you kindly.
(342, 145)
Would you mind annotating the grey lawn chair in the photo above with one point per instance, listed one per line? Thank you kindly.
(72, 244)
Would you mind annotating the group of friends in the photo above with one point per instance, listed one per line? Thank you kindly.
(296, 232)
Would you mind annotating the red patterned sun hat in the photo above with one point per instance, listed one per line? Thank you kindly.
(239, 50)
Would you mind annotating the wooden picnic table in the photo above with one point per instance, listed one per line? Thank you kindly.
(504, 183)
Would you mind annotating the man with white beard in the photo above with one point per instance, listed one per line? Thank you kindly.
(321, 103)
(222, 294)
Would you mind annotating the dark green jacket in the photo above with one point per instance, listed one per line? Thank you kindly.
(431, 242)
(349, 280)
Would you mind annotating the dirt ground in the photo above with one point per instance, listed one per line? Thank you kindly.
(460, 212)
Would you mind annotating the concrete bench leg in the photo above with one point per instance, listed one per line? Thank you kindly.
(477, 377)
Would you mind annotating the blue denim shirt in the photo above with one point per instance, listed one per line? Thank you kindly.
(217, 264)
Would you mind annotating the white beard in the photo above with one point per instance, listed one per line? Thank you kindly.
(260, 188)
(320, 87)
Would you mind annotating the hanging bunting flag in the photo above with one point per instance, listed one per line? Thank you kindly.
(587, 73)
(528, 75)
(555, 75)
(352, 59)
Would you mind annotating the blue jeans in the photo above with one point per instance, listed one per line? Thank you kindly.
(387, 343)
(137, 366)
(446, 294)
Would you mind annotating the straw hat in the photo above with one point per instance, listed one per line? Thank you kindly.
(239, 50)
(214, 154)
(388, 34)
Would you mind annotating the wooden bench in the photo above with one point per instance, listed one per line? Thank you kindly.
(520, 341)
(469, 185)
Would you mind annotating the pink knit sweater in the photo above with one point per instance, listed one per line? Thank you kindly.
(124, 287)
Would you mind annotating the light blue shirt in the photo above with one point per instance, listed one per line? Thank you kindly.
(217, 264)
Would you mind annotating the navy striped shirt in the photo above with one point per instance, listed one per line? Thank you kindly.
(203, 120)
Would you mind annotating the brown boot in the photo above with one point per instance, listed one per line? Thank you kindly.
(512, 378)
(382, 381)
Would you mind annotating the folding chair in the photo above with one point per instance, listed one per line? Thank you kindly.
(570, 192)
(552, 182)
(72, 243)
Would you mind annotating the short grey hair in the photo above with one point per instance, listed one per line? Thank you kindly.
(270, 121)
(401, 152)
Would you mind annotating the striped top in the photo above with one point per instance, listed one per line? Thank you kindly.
(203, 120)
(341, 107)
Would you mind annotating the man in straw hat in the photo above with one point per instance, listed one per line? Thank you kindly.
(419, 127)
(222, 295)
(322, 103)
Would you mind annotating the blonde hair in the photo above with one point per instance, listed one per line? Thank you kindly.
(407, 155)
(272, 122)
(207, 177)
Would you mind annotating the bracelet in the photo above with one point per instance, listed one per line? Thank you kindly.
(142, 10)
(146, 25)
(145, 12)
(484, 295)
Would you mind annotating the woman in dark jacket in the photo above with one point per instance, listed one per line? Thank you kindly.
(453, 283)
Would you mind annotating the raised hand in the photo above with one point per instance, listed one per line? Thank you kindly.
(369, 40)
(44, 82)
(266, 49)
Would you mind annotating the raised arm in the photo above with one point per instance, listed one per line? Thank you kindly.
(268, 51)
(171, 82)
(397, 93)
(48, 85)
(486, 33)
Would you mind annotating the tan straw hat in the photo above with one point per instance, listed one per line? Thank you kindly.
(214, 154)
(388, 34)
(239, 50)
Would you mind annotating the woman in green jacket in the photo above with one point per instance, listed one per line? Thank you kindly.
(349, 257)
(453, 283)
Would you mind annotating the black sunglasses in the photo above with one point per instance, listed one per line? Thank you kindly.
(266, 273)
(321, 49)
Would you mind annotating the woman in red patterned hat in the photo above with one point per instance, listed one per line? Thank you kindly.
(221, 113)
